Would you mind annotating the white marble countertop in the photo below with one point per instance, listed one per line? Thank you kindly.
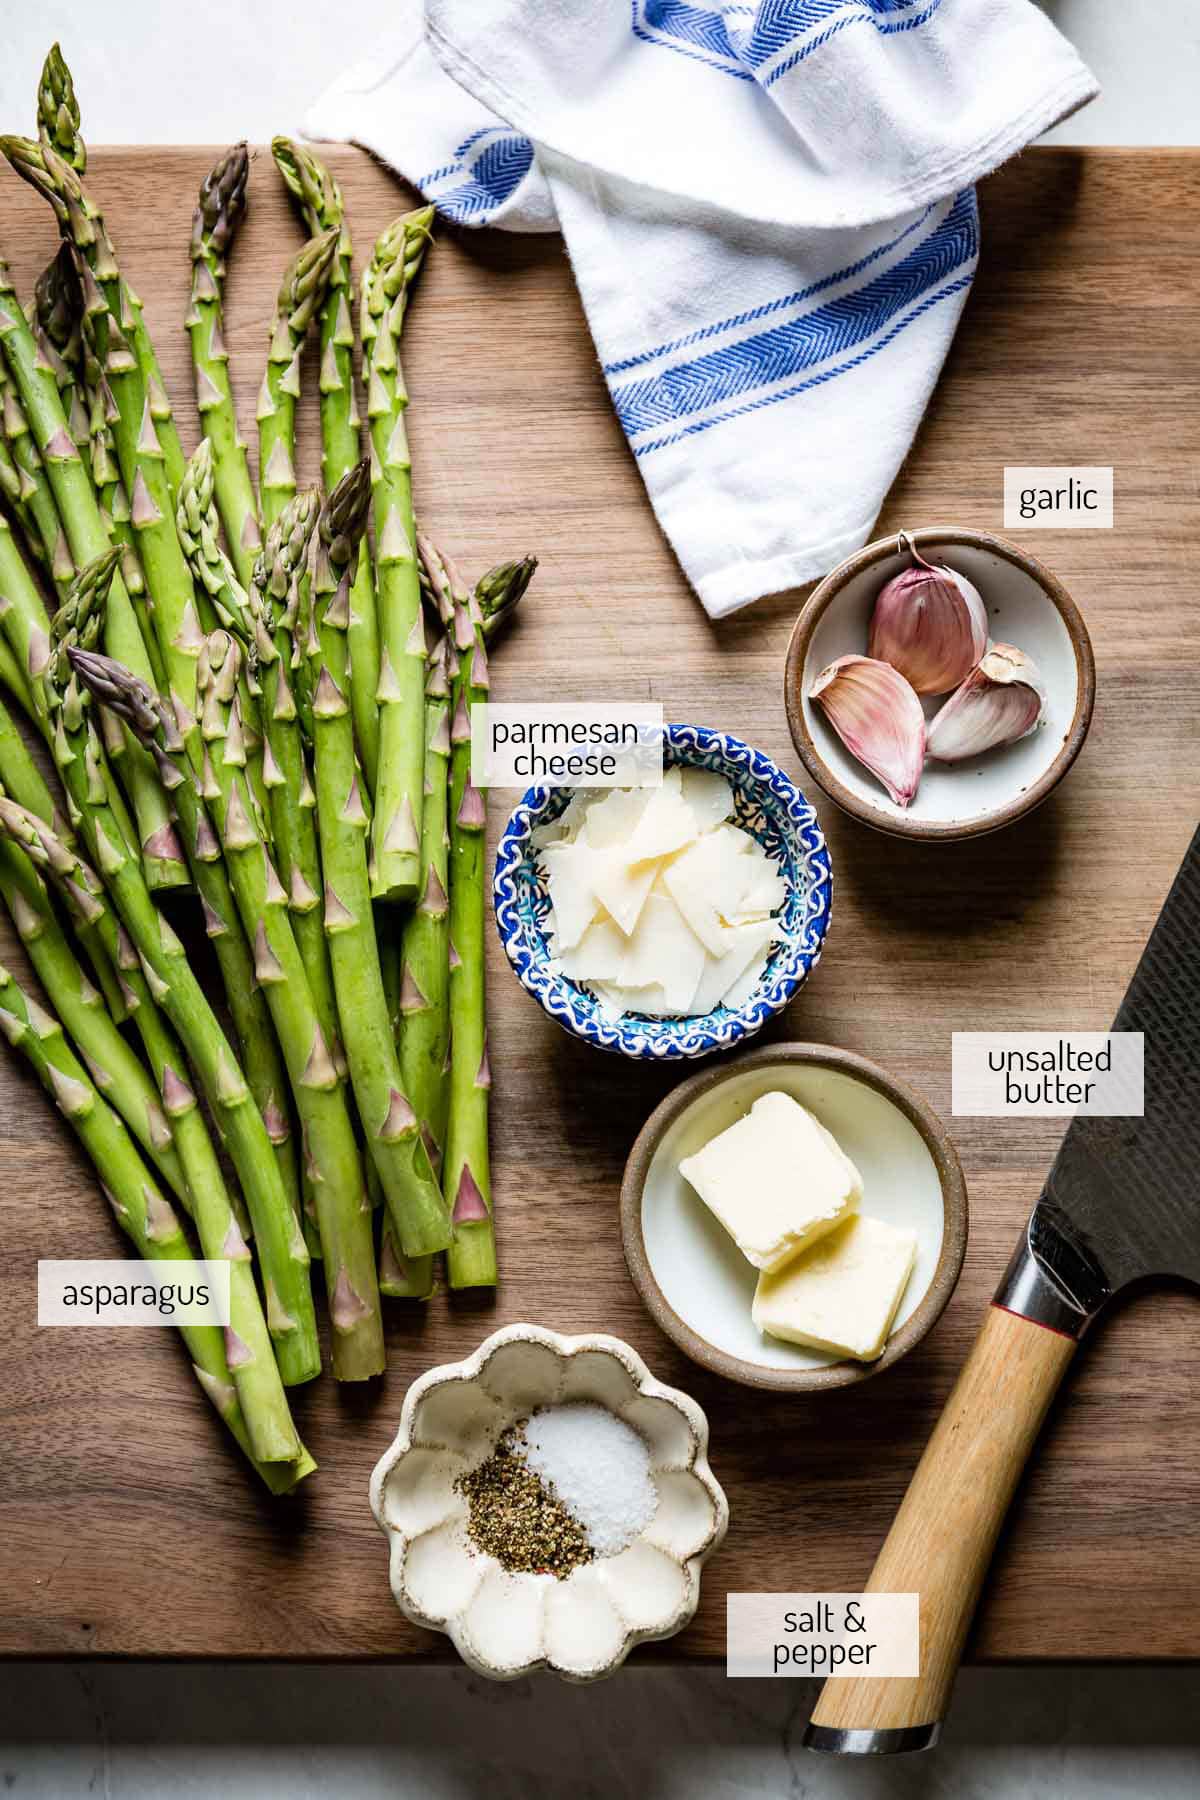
(153, 73)
(150, 72)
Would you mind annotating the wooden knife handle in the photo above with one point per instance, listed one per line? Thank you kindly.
(943, 1536)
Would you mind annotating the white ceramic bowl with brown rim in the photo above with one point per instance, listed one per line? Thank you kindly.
(694, 1280)
(1026, 606)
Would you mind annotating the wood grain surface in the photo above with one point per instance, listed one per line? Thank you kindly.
(127, 1527)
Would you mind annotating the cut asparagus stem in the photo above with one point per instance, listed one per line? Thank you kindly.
(396, 839)
(139, 1207)
(300, 295)
(282, 1250)
(162, 858)
(218, 214)
(224, 925)
(466, 1170)
(319, 200)
(389, 1123)
(343, 1210)
(402, 1277)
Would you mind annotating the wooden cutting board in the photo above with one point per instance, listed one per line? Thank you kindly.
(127, 1526)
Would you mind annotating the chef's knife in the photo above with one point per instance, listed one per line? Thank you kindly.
(1122, 1203)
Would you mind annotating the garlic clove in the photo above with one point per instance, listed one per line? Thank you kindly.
(1002, 700)
(878, 717)
(930, 623)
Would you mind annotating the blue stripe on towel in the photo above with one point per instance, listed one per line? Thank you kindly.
(690, 30)
(770, 306)
(857, 14)
(735, 371)
(954, 287)
(705, 35)
(777, 23)
(494, 161)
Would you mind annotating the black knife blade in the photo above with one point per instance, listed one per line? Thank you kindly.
(1123, 1199)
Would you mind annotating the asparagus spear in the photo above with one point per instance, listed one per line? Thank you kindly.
(466, 1171)
(58, 307)
(21, 780)
(342, 1208)
(281, 1244)
(300, 295)
(389, 1123)
(27, 631)
(196, 522)
(13, 678)
(152, 504)
(139, 1207)
(247, 1006)
(218, 214)
(56, 319)
(396, 838)
(425, 943)
(35, 500)
(76, 501)
(274, 607)
(319, 199)
(58, 110)
(114, 1067)
(57, 179)
(256, 1375)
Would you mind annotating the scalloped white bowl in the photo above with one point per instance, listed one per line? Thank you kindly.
(505, 1625)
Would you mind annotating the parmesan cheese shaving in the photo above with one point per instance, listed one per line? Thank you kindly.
(659, 903)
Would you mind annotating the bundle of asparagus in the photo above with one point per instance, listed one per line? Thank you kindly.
(243, 700)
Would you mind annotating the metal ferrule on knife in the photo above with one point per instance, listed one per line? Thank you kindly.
(1050, 1281)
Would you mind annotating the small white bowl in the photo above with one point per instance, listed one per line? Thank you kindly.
(505, 1625)
(693, 1278)
(1026, 606)
(772, 809)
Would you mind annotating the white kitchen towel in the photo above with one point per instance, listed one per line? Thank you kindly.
(769, 210)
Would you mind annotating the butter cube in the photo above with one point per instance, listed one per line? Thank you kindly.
(776, 1180)
(842, 1295)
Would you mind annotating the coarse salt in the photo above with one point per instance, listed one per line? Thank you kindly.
(599, 1469)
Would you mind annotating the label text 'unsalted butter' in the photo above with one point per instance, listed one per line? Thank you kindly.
(1048, 1074)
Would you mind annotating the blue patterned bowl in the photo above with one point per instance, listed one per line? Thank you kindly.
(766, 804)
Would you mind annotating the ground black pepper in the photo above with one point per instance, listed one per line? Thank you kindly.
(516, 1519)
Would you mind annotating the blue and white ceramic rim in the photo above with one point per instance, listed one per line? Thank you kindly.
(769, 805)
